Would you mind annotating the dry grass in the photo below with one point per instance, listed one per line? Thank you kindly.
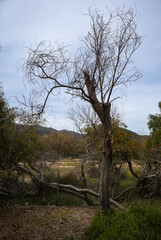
(66, 163)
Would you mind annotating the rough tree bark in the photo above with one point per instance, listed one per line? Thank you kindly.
(104, 189)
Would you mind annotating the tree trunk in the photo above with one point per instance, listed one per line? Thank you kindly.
(104, 189)
(103, 111)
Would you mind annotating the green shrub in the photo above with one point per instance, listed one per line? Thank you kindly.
(139, 223)
(70, 178)
(50, 175)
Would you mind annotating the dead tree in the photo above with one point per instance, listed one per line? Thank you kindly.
(147, 185)
(99, 69)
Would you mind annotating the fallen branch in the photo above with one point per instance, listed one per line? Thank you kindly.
(153, 175)
(79, 190)
(67, 188)
(26, 170)
(84, 190)
(116, 204)
(123, 192)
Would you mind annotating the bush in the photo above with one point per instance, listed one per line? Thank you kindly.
(50, 175)
(139, 223)
(70, 178)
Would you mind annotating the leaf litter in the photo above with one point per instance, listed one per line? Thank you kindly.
(44, 222)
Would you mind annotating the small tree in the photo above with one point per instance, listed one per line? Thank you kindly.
(7, 116)
(154, 142)
(19, 147)
(96, 73)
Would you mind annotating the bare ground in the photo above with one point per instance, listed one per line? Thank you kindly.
(44, 223)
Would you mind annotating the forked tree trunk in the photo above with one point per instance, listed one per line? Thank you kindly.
(104, 189)
(103, 111)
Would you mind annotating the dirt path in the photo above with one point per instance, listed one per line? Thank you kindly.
(44, 223)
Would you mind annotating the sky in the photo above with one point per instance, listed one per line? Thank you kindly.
(23, 23)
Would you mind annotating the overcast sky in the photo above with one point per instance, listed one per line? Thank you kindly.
(26, 22)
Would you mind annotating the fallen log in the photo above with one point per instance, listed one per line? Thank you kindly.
(67, 188)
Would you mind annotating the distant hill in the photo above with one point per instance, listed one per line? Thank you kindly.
(134, 135)
(45, 130)
(76, 135)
